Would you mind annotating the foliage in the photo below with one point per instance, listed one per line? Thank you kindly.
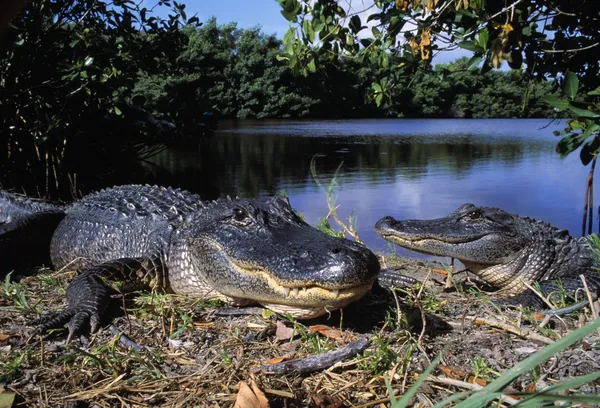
(550, 37)
(585, 121)
(67, 75)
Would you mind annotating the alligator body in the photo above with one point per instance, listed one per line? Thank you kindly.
(26, 227)
(242, 251)
(505, 250)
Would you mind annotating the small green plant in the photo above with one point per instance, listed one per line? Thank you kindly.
(347, 228)
(381, 359)
(16, 293)
(325, 227)
(312, 342)
(10, 368)
(481, 369)
(49, 280)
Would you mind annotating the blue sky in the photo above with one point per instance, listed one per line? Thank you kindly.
(263, 13)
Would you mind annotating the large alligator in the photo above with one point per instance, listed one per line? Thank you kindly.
(241, 251)
(505, 250)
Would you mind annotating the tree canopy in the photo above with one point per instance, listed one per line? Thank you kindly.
(547, 39)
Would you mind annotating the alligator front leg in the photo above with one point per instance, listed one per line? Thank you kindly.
(554, 290)
(88, 294)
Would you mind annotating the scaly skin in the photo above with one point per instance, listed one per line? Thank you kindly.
(242, 251)
(505, 250)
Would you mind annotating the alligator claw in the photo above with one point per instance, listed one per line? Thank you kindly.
(73, 320)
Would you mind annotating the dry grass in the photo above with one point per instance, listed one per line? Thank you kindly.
(194, 357)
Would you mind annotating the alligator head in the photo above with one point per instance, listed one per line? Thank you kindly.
(261, 251)
(487, 240)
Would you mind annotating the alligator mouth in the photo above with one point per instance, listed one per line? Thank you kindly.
(300, 294)
(418, 241)
(420, 244)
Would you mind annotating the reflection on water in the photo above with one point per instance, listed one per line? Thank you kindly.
(405, 168)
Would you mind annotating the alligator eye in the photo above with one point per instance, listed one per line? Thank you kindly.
(240, 215)
(475, 214)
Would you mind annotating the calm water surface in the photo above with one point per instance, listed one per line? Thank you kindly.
(401, 167)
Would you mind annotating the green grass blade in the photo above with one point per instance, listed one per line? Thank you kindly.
(403, 402)
(533, 400)
(527, 364)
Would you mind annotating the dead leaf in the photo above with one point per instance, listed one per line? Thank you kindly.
(460, 375)
(290, 348)
(283, 332)
(276, 360)
(203, 324)
(250, 397)
(4, 336)
(326, 331)
(7, 399)
(440, 272)
(326, 401)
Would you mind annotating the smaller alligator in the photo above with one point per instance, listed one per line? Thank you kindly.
(241, 251)
(505, 250)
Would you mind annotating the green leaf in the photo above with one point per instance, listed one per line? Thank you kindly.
(311, 66)
(474, 62)
(88, 61)
(471, 46)
(376, 32)
(355, 24)
(291, 17)
(569, 144)
(556, 102)
(288, 41)
(308, 30)
(571, 85)
(590, 149)
(581, 110)
(118, 111)
(318, 26)
(378, 99)
(376, 87)
(484, 35)
(594, 92)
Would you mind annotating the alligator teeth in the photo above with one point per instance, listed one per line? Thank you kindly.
(336, 292)
(286, 291)
(295, 291)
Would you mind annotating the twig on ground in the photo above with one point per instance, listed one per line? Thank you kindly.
(590, 299)
(525, 333)
(239, 311)
(124, 340)
(469, 386)
(318, 362)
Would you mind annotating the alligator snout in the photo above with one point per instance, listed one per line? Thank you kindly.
(384, 225)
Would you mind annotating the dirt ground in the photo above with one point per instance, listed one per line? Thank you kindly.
(199, 354)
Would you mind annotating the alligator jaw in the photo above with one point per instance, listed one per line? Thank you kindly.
(302, 301)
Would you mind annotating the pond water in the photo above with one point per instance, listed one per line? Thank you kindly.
(407, 168)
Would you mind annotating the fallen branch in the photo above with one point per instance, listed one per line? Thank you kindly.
(469, 386)
(318, 362)
(524, 333)
(124, 340)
